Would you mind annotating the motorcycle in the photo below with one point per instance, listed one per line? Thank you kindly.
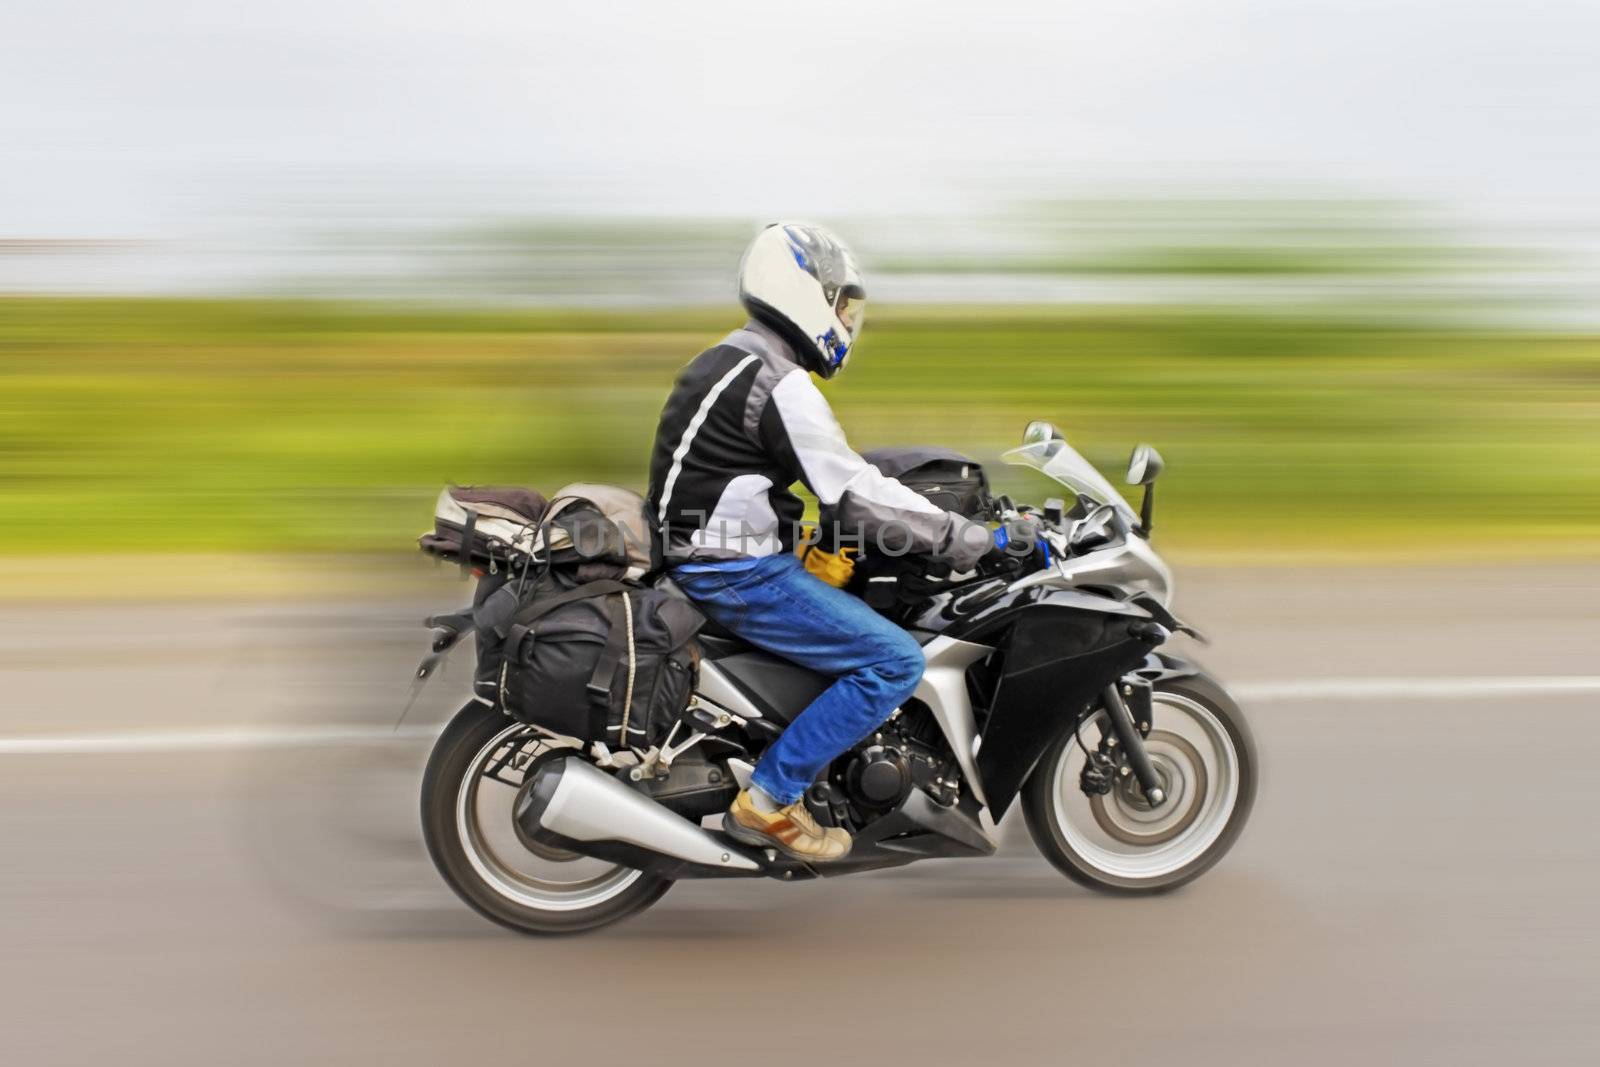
(1046, 684)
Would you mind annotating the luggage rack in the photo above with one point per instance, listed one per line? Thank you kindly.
(529, 744)
(516, 755)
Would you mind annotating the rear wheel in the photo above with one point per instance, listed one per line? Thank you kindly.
(1204, 754)
(479, 766)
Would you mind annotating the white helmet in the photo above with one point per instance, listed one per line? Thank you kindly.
(802, 281)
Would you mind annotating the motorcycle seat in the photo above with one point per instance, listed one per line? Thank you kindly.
(713, 635)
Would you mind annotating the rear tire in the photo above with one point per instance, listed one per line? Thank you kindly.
(472, 838)
(1201, 746)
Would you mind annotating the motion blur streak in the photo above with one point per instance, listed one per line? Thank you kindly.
(203, 741)
(267, 427)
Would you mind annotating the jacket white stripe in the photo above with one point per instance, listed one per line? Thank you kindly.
(694, 428)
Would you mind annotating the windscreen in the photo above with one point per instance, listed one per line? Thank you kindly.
(1061, 461)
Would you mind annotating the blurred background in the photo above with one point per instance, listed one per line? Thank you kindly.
(270, 275)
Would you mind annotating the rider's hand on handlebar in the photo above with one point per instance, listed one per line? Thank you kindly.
(1016, 545)
(1000, 561)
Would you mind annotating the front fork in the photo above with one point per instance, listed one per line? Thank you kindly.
(1127, 734)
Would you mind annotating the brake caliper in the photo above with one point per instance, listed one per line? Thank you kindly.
(1099, 771)
(1105, 765)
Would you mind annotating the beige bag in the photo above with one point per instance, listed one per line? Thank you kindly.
(625, 539)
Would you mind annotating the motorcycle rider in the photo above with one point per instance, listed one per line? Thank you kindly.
(743, 423)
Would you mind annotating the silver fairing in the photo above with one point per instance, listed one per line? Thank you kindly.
(715, 687)
(1130, 565)
(944, 689)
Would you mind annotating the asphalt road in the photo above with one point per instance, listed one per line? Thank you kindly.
(1418, 882)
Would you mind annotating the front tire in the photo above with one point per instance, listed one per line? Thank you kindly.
(1117, 843)
(469, 790)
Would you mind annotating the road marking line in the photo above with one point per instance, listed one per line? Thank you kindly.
(206, 740)
(1387, 688)
(1310, 689)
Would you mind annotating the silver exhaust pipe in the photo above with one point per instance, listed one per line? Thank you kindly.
(580, 802)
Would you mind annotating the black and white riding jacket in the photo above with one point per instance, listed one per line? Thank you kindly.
(744, 423)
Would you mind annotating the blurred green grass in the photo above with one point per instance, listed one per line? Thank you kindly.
(274, 426)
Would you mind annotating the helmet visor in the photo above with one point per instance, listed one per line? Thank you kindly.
(851, 307)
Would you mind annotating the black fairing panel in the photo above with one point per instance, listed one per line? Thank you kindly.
(975, 611)
(1058, 661)
(781, 689)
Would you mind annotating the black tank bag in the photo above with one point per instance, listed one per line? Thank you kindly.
(945, 477)
(605, 661)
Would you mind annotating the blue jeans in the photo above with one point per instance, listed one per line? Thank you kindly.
(774, 604)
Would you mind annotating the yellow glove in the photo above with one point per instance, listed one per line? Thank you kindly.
(833, 568)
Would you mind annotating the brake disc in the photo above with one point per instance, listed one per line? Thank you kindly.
(1127, 817)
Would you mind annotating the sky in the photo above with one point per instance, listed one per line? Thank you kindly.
(171, 118)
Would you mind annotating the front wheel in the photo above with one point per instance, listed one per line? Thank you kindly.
(478, 768)
(1204, 753)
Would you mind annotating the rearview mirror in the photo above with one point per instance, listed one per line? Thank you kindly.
(1144, 466)
(1040, 431)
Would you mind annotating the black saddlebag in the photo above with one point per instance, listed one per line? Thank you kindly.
(605, 661)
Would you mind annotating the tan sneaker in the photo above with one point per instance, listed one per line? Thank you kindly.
(790, 830)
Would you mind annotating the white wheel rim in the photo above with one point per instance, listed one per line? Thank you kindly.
(1118, 835)
(489, 839)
